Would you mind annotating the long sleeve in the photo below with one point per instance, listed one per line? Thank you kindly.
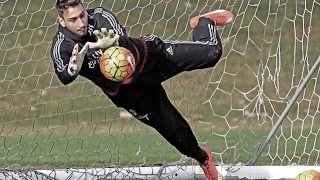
(60, 54)
(105, 18)
(64, 41)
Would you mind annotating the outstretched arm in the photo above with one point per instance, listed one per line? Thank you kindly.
(105, 40)
(106, 19)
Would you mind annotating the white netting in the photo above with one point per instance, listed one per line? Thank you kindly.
(232, 107)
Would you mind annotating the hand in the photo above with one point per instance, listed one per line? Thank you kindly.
(76, 60)
(105, 39)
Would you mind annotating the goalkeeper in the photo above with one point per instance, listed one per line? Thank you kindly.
(82, 36)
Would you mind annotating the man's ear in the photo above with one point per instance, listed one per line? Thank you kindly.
(61, 21)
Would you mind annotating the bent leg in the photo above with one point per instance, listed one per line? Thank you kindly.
(168, 58)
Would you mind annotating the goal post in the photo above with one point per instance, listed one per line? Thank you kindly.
(285, 112)
(257, 109)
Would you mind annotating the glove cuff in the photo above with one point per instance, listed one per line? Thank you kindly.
(72, 71)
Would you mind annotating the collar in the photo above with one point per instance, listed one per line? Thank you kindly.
(73, 36)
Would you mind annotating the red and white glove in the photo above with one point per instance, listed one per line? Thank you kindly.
(105, 38)
(76, 59)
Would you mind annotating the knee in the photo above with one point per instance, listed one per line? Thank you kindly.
(214, 55)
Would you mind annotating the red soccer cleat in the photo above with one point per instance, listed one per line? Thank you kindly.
(209, 167)
(219, 17)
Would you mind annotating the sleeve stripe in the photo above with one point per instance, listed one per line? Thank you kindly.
(56, 53)
(112, 20)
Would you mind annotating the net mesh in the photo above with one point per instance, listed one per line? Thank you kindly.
(232, 107)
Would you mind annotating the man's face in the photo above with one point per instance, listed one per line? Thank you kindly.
(75, 19)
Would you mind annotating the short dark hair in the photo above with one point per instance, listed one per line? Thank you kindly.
(62, 5)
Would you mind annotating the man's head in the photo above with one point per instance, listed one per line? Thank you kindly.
(73, 16)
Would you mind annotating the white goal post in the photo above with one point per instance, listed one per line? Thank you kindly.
(257, 109)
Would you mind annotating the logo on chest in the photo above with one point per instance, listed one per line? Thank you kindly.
(94, 58)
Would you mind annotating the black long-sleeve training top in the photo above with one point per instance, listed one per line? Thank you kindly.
(64, 41)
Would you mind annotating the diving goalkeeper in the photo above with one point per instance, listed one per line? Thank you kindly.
(83, 35)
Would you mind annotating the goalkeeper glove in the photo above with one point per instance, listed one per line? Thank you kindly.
(105, 39)
(76, 60)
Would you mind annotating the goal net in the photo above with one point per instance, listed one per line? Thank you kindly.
(257, 109)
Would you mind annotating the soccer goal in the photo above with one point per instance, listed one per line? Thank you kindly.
(257, 109)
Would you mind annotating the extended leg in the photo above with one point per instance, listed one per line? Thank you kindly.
(149, 103)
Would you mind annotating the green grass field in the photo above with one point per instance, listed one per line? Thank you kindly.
(60, 150)
(231, 107)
